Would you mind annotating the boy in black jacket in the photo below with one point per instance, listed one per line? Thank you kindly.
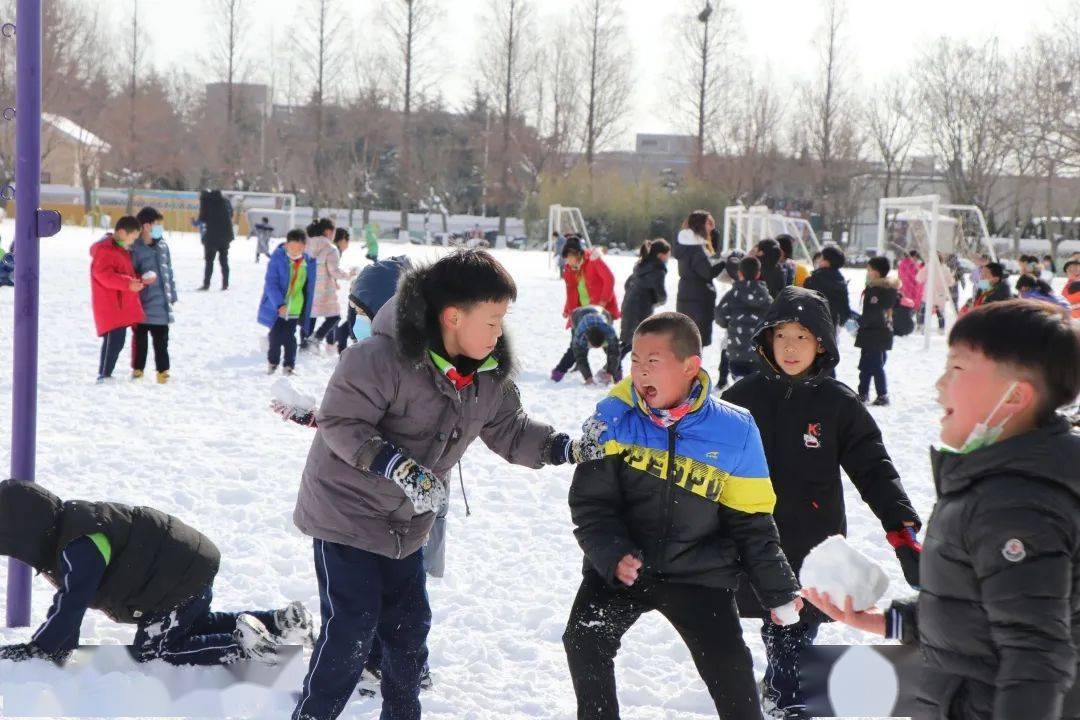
(677, 509)
(739, 312)
(828, 281)
(812, 426)
(875, 335)
(998, 613)
(138, 566)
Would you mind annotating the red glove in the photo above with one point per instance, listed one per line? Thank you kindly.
(907, 548)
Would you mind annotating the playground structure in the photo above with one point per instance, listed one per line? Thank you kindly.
(745, 227)
(933, 228)
(565, 220)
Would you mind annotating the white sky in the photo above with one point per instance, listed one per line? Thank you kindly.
(883, 36)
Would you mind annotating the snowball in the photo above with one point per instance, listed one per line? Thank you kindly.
(285, 393)
(837, 568)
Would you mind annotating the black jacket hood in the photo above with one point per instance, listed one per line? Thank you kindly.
(810, 309)
(415, 328)
(28, 523)
(1050, 453)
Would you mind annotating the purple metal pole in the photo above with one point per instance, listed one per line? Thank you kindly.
(27, 195)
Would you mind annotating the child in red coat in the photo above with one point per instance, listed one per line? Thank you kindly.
(114, 291)
(589, 281)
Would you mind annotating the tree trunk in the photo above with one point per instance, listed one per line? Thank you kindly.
(406, 126)
(702, 99)
(508, 97)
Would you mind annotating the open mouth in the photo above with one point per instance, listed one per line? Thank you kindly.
(648, 392)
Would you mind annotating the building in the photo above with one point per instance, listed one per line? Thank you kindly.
(69, 152)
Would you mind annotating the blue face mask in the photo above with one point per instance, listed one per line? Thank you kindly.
(157, 231)
(984, 284)
(361, 327)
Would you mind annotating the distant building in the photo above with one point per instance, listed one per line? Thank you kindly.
(66, 147)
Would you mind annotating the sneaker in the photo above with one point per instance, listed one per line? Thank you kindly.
(881, 401)
(864, 398)
(288, 370)
(256, 642)
(294, 621)
(204, 288)
(103, 379)
(557, 375)
(271, 369)
(136, 374)
(426, 683)
(163, 377)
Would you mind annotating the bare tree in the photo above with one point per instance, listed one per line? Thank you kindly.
(133, 57)
(509, 25)
(605, 57)
(892, 128)
(756, 119)
(411, 24)
(325, 62)
(227, 19)
(962, 97)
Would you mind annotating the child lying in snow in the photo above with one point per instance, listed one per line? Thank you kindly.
(138, 566)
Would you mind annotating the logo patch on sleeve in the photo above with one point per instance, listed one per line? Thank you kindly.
(1014, 550)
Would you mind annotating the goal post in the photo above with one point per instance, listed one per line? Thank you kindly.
(744, 227)
(564, 221)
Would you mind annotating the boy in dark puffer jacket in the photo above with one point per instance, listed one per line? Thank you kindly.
(875, 336)
(828, 280)
(138, 566)
(679, 506)
(812, 426)
(998, 614)
(739, 312)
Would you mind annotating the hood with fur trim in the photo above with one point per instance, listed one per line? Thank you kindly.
(412, 323)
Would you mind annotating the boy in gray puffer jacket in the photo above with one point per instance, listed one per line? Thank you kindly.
(399, 412)
(739, 312)
(153, 262)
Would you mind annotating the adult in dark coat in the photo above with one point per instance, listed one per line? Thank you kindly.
(215, 216)
(697, 294)
(644, 289)
(135, 564)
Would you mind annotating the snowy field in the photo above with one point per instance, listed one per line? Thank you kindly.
(206, 448)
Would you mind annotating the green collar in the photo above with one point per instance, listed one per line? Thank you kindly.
(445, 365)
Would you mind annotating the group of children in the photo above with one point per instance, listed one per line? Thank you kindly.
(132, 286)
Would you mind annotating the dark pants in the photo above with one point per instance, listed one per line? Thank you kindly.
(872, 366)
(345, 331)
(192, 635)
(566, 364)
(112, 343)
(783, 650)
(725, 369)
(705, 618)
(222, 254)
(361, 593)
(326, 330)
(283, 334)
(159, 334)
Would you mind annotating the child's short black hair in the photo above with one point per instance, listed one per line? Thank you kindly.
(750, 268)
(572, 246)
(1070, 263)
(595, 336)
(128, 223)
(1035, 338)
(996, 269)
(880, 264)
(684, 333)
(787, 244)
(296, 235)
(341, 234)
(266, 219)
(465, 278)
(816, 257)
(320, 226)
(149, 216)
(834, 256)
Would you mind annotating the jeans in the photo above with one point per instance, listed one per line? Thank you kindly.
(361, 593)
(566, 364)
(872, 366)
(283, 335)
(159, 334)
(112, 343)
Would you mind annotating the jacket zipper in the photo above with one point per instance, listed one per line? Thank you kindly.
(666, 499)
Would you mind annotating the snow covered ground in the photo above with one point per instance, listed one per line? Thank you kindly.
(205, 447)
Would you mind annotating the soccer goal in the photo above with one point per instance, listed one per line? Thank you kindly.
(565, 221)
(744, 227)
(935, 230)
(181, 207)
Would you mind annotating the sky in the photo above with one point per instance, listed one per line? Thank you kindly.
(775, 36)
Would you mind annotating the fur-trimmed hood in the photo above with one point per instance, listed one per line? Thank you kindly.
(407, 319)
(889, 282)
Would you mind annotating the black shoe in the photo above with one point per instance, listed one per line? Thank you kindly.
(864, 398)
(204, 288)
(881, 401)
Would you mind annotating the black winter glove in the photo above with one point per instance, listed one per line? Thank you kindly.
(907, 548)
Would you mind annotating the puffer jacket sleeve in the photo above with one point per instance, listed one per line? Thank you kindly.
(902, 621)
(1022, 545)
(172, 278)
(866, 461)
(596, 507)
(659, 289)
(746, 505)
(723, 309)
(108, 272)
(513, 435)
(361, 389)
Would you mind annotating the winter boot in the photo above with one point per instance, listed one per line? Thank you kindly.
(256, 642)
(864, 398)
(557, 375)
(288, 370)
(881, 401)
(136, 374)
(163, 377)
(294, 622)
(271, 369)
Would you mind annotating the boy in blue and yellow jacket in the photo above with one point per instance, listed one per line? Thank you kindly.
(676, 510)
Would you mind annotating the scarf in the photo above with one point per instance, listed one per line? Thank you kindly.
(666, 417)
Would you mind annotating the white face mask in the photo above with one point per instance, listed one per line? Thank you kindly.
(983, 435)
